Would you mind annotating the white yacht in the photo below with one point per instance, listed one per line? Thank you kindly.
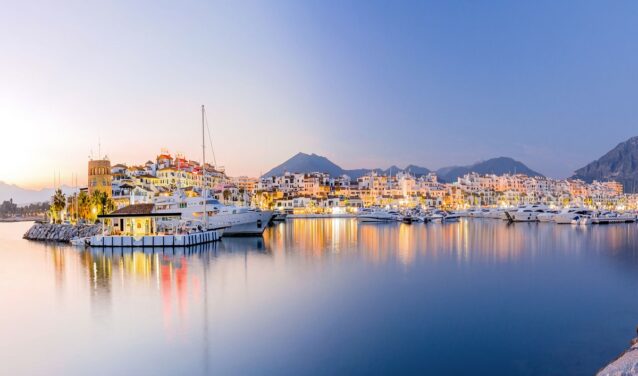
(237, 220)
(497, 213)
(528, 213)
(376, 215)
(479, 213)
(572, 215)
(608, 217)
(452, 217)
(548, 216)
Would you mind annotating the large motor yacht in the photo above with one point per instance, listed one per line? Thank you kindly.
(238, 220)
(528, 213)
(572, 215)
(548, 216)
(376, 215)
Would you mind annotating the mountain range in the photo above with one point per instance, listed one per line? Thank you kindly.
(619, 164)
(302, 162)
(23, 196)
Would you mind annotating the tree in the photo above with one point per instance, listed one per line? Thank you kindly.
(101, 204)
(242, 194)
(226, 194)
(84, 205)
(7, 208)
(58, 203)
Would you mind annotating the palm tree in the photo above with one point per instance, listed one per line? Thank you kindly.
(226, 194)
(102, 203)
(84, 205)
(241, 193)
(58, 204)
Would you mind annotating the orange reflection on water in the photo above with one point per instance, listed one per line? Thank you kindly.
(170, 278)
(465, 241)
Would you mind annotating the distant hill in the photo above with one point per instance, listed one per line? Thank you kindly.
(498, 166)
(302, 162)
(23, 196)
(306, 163)
(417, 170)
(620, 164)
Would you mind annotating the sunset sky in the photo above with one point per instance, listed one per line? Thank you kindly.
(366, 84)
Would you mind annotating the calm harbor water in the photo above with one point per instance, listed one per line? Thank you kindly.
(326, 297)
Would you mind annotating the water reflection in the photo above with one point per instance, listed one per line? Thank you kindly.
(318, 294)
(465, 241)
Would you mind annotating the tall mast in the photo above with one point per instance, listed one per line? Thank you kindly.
(205, 216)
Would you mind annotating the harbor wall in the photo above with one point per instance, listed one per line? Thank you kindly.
(61, 232)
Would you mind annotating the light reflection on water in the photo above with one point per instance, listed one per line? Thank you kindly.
(326, 296)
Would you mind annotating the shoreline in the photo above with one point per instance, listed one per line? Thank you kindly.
(21, 219)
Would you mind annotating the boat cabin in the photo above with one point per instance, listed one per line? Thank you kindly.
(134, 220)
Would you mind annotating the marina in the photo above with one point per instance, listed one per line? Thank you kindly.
(319, 188)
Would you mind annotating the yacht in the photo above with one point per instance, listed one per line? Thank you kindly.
(376, 215)
(479, 213)
(608, 217)
(451, 217)
(548, 216)
(528, 213)
(237, 220)
(572, 215)
(279, 216)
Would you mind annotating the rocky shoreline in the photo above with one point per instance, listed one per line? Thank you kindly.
(626, 364)
(60, 232)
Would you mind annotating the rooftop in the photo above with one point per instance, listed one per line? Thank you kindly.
(135, 209)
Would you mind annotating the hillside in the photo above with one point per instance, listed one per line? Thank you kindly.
(305, 163)
(23, 196)
(620, 164)
(498, 166)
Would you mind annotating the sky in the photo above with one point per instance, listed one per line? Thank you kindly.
(364, 83)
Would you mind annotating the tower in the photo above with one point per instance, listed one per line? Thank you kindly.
(100, 176)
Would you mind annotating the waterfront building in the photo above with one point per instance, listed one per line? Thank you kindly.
(319, 192)
(245, 183)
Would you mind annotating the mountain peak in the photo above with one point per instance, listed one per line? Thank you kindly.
(302, 162)
(305, 163)
(619, 164)
(498, 165)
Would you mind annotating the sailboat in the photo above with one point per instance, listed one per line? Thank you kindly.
(143, 226)
(236, 220)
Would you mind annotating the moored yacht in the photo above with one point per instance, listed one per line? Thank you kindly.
(237, 220)
(376, 215)
(572, 215)
(528, 213)
(608, 217)
(548, 216)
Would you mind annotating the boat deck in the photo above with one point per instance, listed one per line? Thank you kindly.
(184, 240)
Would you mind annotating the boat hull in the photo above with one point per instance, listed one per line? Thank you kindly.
(253, 224)
(524, 217)
(375, 219)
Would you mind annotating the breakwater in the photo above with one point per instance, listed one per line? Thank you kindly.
(60, 232)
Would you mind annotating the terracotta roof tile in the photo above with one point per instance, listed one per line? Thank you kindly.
(135, 209)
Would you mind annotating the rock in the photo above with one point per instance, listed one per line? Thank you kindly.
(61, 232)
(625, 365)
